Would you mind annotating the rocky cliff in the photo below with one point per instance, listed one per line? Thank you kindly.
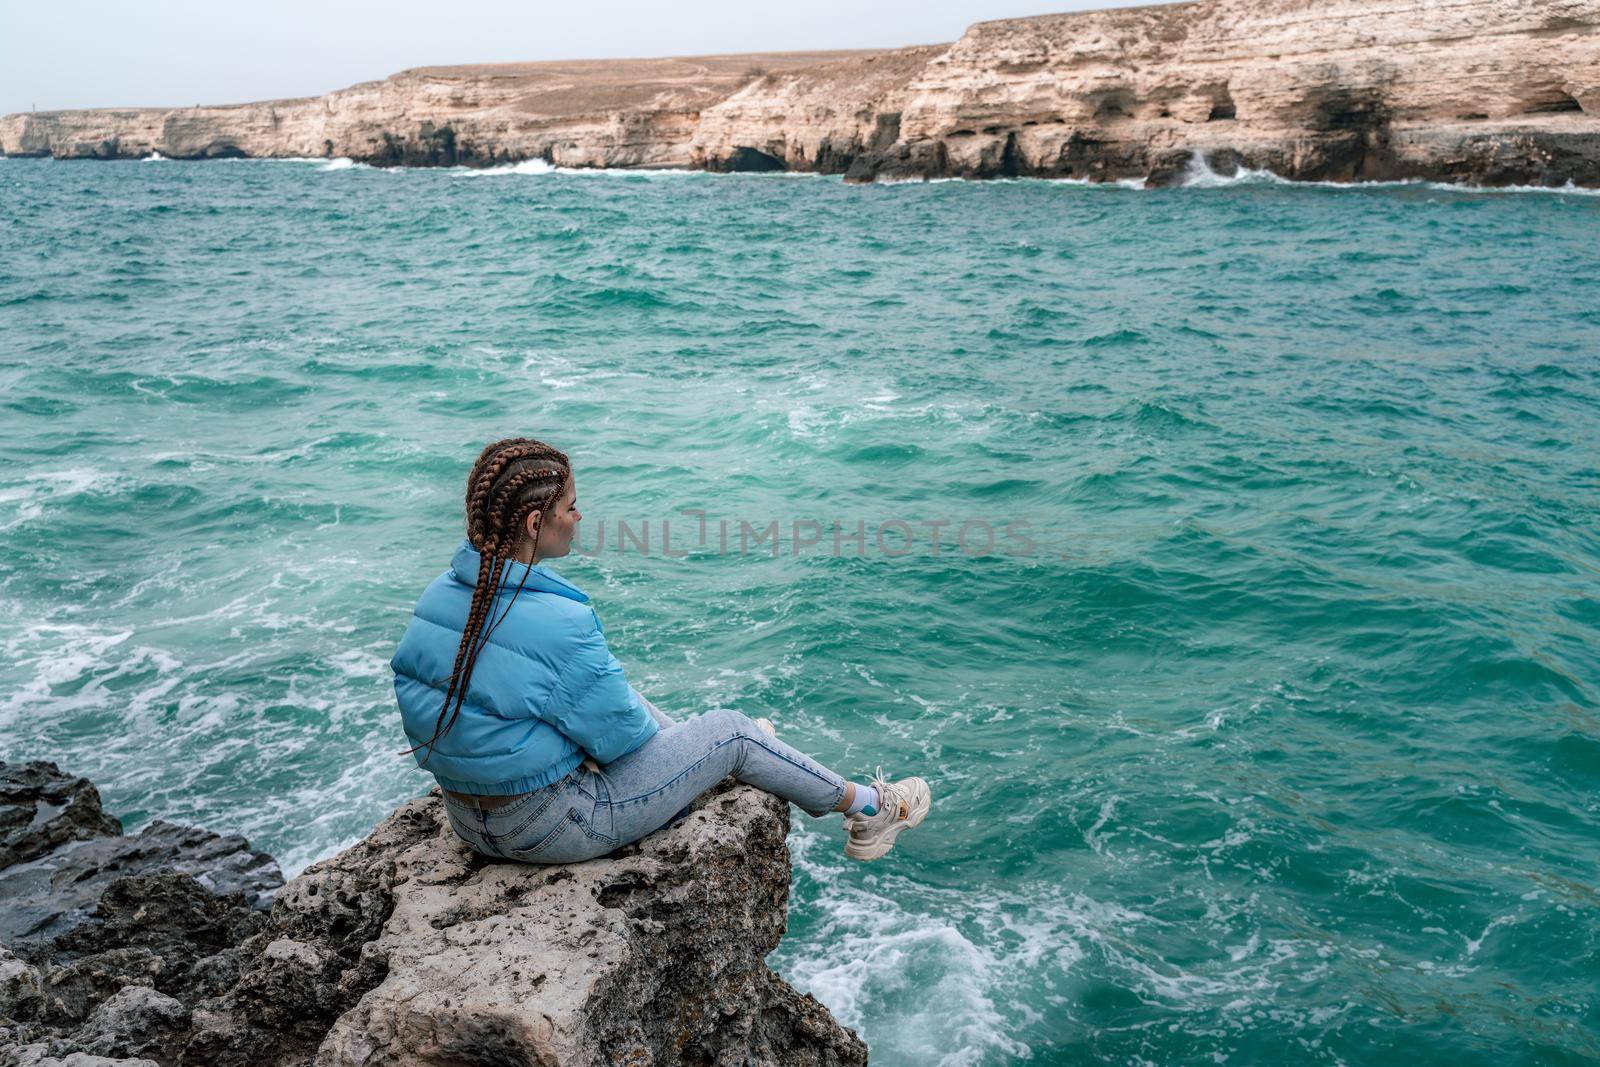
(1488, 91)
(179, 946)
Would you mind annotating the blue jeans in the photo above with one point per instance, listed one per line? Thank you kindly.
(588, 813)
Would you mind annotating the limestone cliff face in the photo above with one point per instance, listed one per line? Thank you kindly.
(405, 949)
(603, 113)
(1491, 91)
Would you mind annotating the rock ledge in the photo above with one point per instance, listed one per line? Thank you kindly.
(407, 948)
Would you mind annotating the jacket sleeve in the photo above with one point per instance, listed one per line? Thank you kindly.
(593, 705)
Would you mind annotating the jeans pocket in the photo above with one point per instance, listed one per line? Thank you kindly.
(595, 824)
(549, 847)
(571, 838)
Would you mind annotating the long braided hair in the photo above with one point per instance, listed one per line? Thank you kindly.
(512, 479)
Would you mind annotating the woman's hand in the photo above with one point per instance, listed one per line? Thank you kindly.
(590, 765)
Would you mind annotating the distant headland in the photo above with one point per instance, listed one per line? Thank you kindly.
(1490, 92)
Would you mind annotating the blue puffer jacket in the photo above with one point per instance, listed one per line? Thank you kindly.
(545, 690)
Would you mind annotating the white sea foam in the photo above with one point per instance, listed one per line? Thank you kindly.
(540, 167)
(1198, 174)
(527, 166)
(1559, 190)
(687, 172)
(156, 157)
(637, 172)
(274, 159)
(870, 950)
(68, 482)
(82, 660)
(342, 163)
(36, 492)
(1119, 183)
(1108, 808)
(1475, 943)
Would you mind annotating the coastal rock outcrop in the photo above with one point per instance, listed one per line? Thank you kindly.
(408, 948)
(1492, 92)
(87, 913)
(1489, 91)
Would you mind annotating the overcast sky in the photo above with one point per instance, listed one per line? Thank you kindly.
(96, 53)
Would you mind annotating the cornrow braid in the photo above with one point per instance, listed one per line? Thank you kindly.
(511, 479)
(506, 492)
(492, 463)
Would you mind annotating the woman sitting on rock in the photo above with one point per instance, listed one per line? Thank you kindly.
(544, 752)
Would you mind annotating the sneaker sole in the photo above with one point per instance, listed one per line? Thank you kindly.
(885, 842)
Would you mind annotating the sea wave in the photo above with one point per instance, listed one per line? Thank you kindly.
(1198, 174)
(526, 166)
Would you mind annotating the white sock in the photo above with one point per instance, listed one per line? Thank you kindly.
(865, 802)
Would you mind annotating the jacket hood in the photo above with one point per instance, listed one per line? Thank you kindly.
(465, 563)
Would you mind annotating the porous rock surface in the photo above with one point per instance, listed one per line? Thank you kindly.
(408, 948)
(1492, 92)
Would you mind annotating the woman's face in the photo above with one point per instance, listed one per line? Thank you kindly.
(560, 526)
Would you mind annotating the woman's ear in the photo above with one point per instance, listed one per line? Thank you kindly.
(530, 526)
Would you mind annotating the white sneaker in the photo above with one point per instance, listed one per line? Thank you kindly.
(767, 727)
(901, 805)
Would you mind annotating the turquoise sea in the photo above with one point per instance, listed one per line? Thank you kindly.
(1268, 730)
